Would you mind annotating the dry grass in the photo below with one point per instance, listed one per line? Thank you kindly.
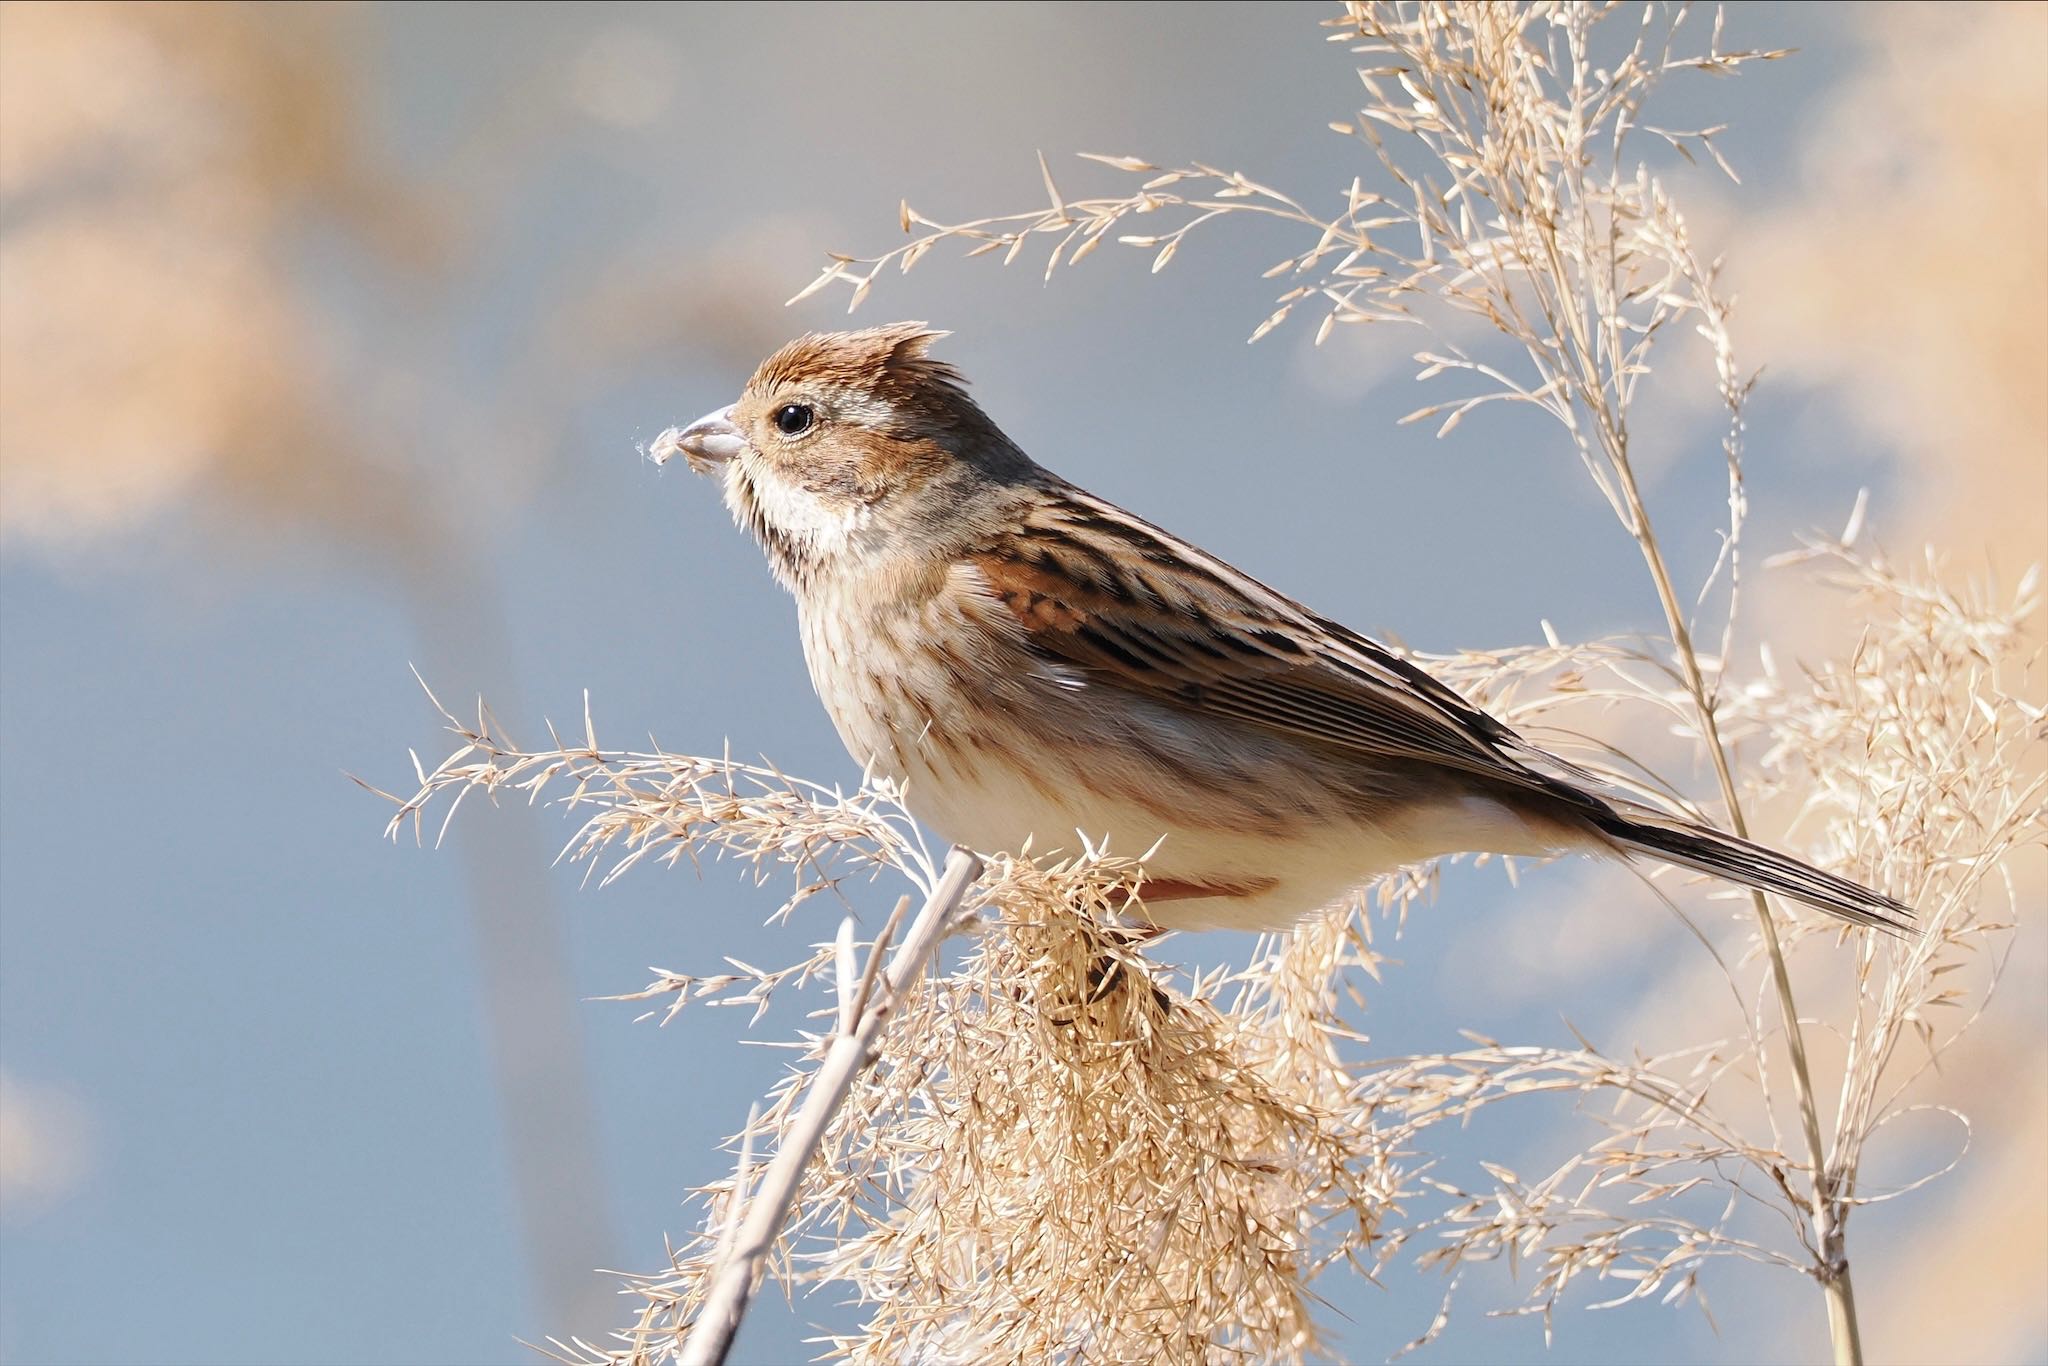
(1049, 1155)
(1916, 766)
(1050, 1158)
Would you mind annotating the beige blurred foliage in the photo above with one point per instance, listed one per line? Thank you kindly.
(163, 167)
(157, 334)
(45, 1148)
(150, 333)
(1967, 1285)
(1910, 280)
(1911, 276)
(133, 356)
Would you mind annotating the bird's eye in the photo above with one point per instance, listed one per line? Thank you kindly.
(794, 419)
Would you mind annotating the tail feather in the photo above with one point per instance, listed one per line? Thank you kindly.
(1752, 865)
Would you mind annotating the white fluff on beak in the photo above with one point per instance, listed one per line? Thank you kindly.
(708, 442)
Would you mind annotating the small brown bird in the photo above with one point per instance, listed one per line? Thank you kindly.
(1031, 662)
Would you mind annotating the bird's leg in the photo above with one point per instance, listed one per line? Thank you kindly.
(1107, 971)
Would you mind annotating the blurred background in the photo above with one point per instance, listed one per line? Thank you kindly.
(328, 340)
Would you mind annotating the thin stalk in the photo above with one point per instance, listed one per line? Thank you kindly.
(1829, 1246)
(1829, 1238)
(733, 1282)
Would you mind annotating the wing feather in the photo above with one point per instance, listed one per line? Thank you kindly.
(1135, 607)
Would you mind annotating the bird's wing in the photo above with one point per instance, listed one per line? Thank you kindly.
(1129, 606)
(1134, 607)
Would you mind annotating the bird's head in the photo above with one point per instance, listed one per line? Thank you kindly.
(848, 446)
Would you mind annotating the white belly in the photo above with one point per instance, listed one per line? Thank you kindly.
(1280, 877)
(1035, 759)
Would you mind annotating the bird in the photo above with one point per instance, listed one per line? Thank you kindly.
(1037, 668)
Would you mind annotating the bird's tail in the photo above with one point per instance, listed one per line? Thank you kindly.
(1739, 860)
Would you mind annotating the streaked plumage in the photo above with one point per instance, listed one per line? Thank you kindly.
(1033, 662)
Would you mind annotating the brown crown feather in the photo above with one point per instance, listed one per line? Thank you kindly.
(889, 362)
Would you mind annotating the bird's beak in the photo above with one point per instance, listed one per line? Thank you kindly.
(708, 442)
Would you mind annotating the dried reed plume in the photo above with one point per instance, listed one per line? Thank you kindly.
(1052, 1153)
(1063, 1151)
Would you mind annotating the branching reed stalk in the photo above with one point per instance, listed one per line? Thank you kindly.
(1833, 1271)
(864, 1011)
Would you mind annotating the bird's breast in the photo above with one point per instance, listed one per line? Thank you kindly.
(995, 744)
(1001, 749)
(888, 671)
